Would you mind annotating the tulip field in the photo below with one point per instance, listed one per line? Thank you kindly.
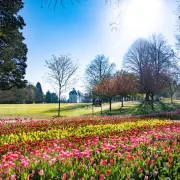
(102, 148)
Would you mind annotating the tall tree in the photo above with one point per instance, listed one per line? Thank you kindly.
(136, 60)
(62, 74)
(54, 98)
(150, 59)
(173, 82)
(48, 97)
(99, 69)
(39, 93)
(12, 49)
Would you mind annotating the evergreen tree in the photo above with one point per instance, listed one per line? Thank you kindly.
(54, 98)
(48, 97)
(12, 49)
(39, 93)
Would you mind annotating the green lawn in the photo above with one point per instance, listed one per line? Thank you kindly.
(47, 111)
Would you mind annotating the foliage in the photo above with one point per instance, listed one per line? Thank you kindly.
(106, 89)
(90, 148)
(126, 84)
(54, 98)
(51, 97)
(39, 93)
(48, 97)
(30, 92)
(121, 84)
(18, 96)
(12, 49)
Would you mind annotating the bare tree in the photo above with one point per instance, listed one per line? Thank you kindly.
(118, 22)
(150, 59)
(99, 69)
(162, 58)
(136, 60)
(64, 2)
(62, 74)
(173, 81)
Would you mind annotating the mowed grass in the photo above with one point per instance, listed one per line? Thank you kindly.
(48, 111)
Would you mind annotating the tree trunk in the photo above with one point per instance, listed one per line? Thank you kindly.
(110, 101)
(171, 93)
(147, 97)
(122, 104)
(59, 102)
(171, 98)
(152, 102)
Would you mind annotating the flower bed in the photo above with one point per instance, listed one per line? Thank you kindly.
(172, 115)
(90, 148)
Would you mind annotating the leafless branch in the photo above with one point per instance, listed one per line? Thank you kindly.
(62, 74)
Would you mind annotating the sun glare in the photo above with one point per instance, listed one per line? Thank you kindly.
(140, 16)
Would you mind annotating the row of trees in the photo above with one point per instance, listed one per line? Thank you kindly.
(13, 51)
(150, 67)
(120, 86)
(154, 62)
(30, 94)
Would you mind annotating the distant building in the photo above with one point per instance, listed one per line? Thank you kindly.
(75, 96)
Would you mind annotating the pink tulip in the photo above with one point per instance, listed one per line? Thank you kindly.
(108, 172)
(101, 177)
(64, 176)
(72, 173)
(41, 172)
(152, 162)
(155, 173)
(13, 177)
(139, 170)
(155, 156)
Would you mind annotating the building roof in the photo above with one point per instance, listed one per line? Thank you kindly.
(73, 92)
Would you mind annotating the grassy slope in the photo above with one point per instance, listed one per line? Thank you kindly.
(47, 111)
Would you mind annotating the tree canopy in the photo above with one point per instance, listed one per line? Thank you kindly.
(99, 69)
(39, 93)
(150, 60)
(12, 49)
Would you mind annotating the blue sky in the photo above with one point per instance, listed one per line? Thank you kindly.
(84, 31)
